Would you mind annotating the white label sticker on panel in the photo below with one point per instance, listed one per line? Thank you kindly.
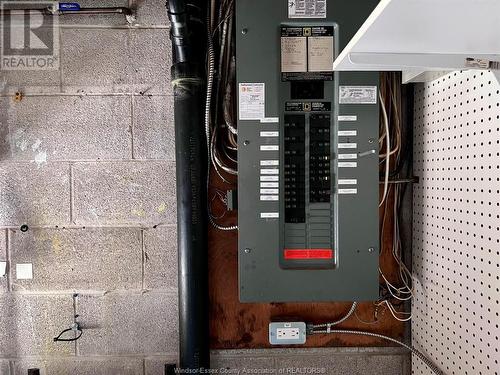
(320, 52)
(347, 156)
(348, 182)
(347, 133)
(348, 191)
(266, 163)
(24, 271)
(347, 145)
(269, 148)
(3, 268)
(270, 120)
(269, 198)
(269, 184)
(269, 171)
(348, 165)
(307, 9)
(358, 95)
(252, 101)
(269, 178)
(348, 118)
(269, 215)
(293, 54)
(269, 134)
(269, 191)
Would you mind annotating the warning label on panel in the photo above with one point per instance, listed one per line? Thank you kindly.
(306, 8)
(252, 102)
(358, 95)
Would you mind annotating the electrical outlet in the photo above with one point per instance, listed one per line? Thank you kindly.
(287, 333)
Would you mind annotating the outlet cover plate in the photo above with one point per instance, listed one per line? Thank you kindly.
(297, 334)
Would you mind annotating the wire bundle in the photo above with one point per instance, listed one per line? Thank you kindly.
(223, 130)
(220, 124)
(396, 156)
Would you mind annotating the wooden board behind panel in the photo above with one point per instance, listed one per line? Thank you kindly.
(235, 325)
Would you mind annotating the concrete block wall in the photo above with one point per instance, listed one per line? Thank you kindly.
(87, 162)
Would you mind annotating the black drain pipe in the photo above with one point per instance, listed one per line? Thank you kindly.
(188, 35)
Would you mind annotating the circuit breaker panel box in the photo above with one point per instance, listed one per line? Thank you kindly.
(308, 160)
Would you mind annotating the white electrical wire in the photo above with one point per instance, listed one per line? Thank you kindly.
(388, 148)
(406, 317)
(403, 290)
(404, 293)
(404, 272)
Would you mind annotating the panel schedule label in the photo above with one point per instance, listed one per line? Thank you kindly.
(307, 53)
(306, 8)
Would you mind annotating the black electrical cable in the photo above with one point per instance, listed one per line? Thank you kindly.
(413, 180)
(76, 328)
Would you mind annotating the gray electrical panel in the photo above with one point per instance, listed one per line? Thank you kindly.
(307, 154)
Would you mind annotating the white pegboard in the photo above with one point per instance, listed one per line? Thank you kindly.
(456, 223)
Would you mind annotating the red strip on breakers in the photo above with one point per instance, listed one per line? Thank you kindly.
(308, 254)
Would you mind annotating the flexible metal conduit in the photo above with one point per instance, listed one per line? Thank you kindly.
(188, 78)
(434, 368)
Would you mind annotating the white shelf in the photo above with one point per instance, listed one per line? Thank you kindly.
(424, 35)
